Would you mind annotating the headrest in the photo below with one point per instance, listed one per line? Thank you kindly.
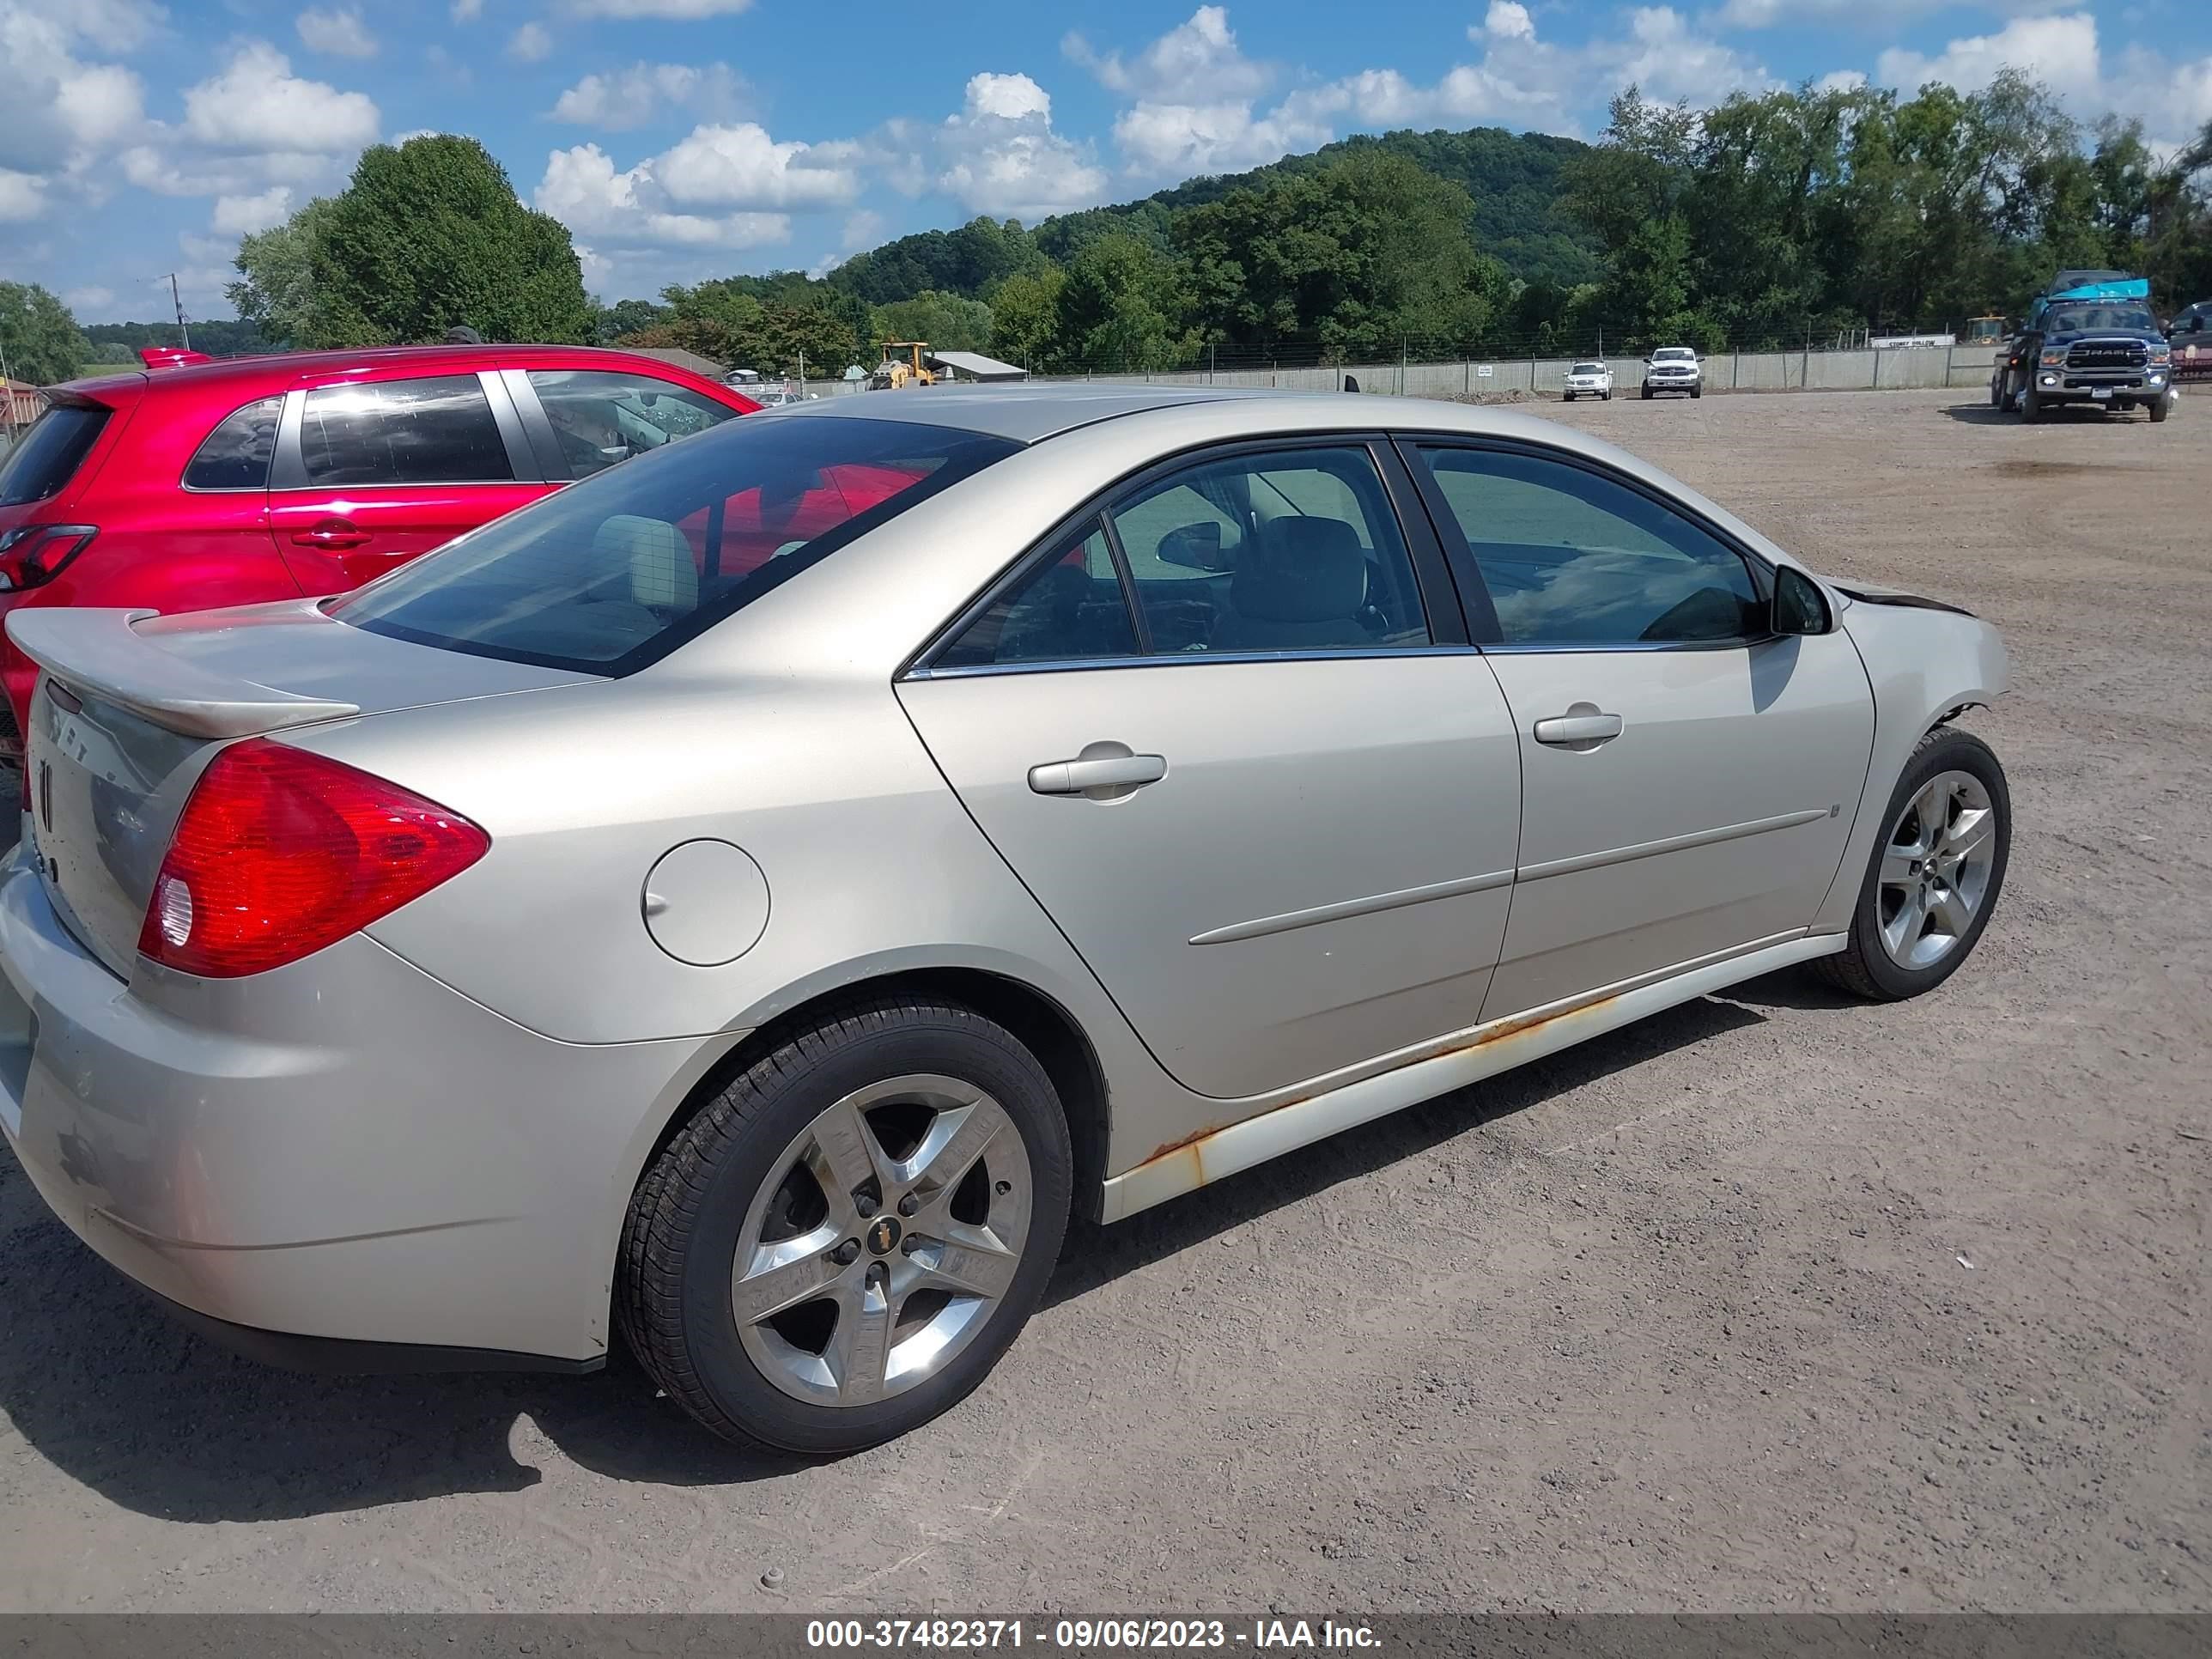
(1301, 570)
(661, 571)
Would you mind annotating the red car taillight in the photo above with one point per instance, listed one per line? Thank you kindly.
(280, 853)
(33, 554)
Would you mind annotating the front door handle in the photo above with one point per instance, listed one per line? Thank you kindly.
(1582, 727)
(335, 534)
(1081, 776)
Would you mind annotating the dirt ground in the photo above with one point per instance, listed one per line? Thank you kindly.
(1771, 1302)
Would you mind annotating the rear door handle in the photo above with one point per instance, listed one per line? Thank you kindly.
(338, 533)
(1583, 726)
(1079, 777)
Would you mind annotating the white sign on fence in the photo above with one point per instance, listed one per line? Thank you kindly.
(1483, 371)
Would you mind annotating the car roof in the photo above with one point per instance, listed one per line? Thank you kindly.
(281, 367)
(1023, 414)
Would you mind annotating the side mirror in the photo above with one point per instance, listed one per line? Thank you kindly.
(1195, 547)
(1800, 606)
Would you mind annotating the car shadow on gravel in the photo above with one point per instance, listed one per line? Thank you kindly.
(97, 1381)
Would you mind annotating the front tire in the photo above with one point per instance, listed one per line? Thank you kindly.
(841, 1244)
(2031, 405)
(2159, 408)
(1697, 392)
(1647, 394)
(1935, 875)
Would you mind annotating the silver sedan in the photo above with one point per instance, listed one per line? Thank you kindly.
(753, 899)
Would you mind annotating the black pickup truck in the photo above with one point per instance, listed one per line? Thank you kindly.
(2087, 341)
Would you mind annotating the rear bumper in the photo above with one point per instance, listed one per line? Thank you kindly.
(343, 1150)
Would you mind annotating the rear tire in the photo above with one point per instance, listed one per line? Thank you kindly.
(808, 1140)
(1904, 937)
(1997, 392)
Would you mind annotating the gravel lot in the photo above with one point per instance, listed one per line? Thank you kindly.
(1682, 1319)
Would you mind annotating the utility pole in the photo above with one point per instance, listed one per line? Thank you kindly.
(7, 395)
(177, 299)
(802, 371)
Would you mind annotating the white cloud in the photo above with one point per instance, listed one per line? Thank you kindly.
(646, 92)
(862, 229)
(1007, 97)
(336, 34)
(62, 113)
(530, 44)
(242, 215)
(679, 11)
(1217, 124)
(1197, 62)
(92, 297)
(1840, 81)
(1000, 155)
(1508, 20)
(2061, 50)
(741, 166)
(465, 11)
(1770, 14)
(171, 169)
(257, 103)
(634, 208)
(22, 195)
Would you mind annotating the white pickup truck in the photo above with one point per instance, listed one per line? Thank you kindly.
(1674, 369)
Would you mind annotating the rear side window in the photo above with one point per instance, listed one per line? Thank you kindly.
(236, 453)
(437, 430)
(48, 456)
(1071, 609)
(615, 572)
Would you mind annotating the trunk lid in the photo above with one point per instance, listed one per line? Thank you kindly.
(131, 708)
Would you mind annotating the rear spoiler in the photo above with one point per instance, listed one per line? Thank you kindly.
(102, 653)
(171, 358)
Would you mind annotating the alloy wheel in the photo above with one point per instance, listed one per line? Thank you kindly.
(885, 1235)
(1935, 869)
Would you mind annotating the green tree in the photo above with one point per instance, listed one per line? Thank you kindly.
(38, 336)
(429, 234)
(276, 288)
(611, 323)
(1122, 306)
(1361, 255)
(945, 321)
(1025, 317)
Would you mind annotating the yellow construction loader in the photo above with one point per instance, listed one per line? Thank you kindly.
(903, 366)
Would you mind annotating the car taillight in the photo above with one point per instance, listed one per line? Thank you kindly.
(33, 554)
(280, 853)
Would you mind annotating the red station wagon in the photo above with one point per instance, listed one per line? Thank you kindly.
(215, 483)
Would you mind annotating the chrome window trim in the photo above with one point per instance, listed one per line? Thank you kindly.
(1188, 658)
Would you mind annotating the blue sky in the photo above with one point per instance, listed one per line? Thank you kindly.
(687, 138)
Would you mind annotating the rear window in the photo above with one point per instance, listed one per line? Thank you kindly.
(614, 573)
(48, 455)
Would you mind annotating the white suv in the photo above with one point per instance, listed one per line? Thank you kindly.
(1588, 380)
(1674, 369)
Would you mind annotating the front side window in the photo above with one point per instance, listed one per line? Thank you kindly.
(1292, 550)
(602, 416)
(1572, 558)
(435, 430)
(614, 573)
(236, 453)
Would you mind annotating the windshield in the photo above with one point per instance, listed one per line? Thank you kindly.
(2069, 319)
(46, 456)
(616, 572)
(1589, 368)
(1673, 354)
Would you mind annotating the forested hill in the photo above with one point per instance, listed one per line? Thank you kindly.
(1514, 177)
